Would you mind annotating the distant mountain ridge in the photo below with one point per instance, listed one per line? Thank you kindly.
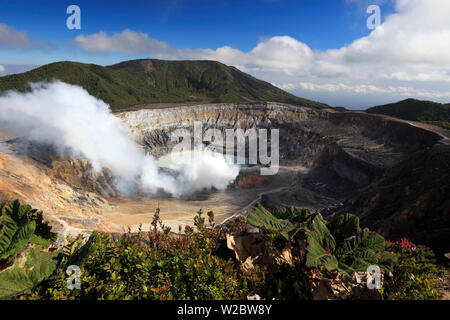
(158, 81)
(417, 110)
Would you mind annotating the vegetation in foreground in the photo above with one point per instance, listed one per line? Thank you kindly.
(288, 254)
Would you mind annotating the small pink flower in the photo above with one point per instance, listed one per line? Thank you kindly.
(240, 227)
(413, 248)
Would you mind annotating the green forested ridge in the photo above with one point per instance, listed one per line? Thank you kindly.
(417, 110)
(157, 81)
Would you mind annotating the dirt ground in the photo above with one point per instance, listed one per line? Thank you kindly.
(175, 212)
(178, 212)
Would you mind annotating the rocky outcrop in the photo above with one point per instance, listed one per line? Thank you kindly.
(67, 190)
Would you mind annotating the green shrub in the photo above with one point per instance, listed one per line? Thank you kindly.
(237, 226)
(414, 275)
(198, 264)
(158, 265)
(286, 282)
(291, 282)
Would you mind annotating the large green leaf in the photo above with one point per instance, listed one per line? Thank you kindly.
(264, 219)
(344, 227)
(360, 251)
(20, 239)
(27, 271)
(317, 228)
(8, 228)
(319, 256)
(22, 211)
(286, 223)
(16, 211)
(19, 226)
(321, 245)
(338, 245)
(342, 245)
(387, 260)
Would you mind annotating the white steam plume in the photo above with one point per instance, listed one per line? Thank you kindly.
(67, 117)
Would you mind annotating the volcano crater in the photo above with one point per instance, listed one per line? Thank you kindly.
(325, 158)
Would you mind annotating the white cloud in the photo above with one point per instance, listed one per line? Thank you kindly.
(127, 41)
(2, 69)
(11, 38)
(282, 53)
(364, 89)
(277, 54)
(406, 54)
(412, 44)
(226, 54)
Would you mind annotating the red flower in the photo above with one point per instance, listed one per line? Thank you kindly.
(405, 243)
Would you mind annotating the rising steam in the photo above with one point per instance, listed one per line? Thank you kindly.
(68, 118)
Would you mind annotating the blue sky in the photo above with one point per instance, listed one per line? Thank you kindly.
(241, 24)
(311, 28)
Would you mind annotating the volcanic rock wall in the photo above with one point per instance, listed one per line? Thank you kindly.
(304, 132)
